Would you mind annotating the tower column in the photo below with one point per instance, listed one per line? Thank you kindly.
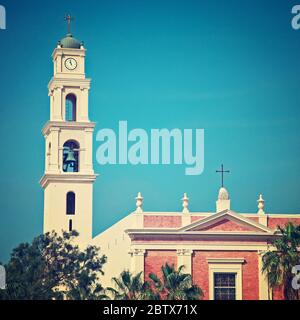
(84, 100)
(57, 104)
(88, 157)
(53, 150)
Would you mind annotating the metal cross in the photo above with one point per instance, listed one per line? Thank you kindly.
(222, 171)
(69, 18)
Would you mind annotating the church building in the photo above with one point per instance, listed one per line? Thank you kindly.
(221, 249)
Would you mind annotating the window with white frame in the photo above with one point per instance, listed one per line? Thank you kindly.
(224, 286)
(225, 278)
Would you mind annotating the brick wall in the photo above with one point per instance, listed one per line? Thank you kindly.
(255, 219)
(250, 271)
(227, 225)
(274, 222)
(162, 221)
(278, 293)
(196, 218)
(154, 259)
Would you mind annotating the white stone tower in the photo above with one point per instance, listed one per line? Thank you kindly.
(69, 175)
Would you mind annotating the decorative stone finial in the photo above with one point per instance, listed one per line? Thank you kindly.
(261, 204)
(223, 194)
(185, 203)
(139, 203)
(223, 202)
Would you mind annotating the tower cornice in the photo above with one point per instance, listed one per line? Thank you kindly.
(60, 125)
(61, 82)
(67, 178)
(68, 51)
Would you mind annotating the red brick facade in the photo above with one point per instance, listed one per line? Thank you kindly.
(200, 275)
(226, 237)
(196, 218)
(154, 259)
(274, 222)
(162, 221)
(227, 225)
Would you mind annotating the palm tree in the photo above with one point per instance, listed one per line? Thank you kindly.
(278, 264)
(130, 287)
(175, 285)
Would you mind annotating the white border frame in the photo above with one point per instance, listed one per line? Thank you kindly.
(230, 266)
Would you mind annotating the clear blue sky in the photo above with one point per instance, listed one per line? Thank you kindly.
(230, 67)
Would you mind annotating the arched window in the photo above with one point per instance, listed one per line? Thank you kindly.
(71, 107)
(71, 156)
(70, 203)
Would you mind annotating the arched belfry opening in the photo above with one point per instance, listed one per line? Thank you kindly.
(70, 205)
(71, 156)
(71, 107)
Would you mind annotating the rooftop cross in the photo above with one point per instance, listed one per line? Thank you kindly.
(69, 18)
(222, 171)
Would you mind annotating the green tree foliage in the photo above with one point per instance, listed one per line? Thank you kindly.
(53, 267)
(278, 263)
(130, 287)
(174, 285)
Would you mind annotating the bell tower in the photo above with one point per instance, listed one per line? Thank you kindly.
(69, 175)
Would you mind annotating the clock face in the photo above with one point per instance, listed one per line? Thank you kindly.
(71, 64)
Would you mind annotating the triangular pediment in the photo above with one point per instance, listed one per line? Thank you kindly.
(225, 224)
(226, 221)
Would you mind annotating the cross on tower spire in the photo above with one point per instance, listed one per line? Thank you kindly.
(222, 171)
(69, 18)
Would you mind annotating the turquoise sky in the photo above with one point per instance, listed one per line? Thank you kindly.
(230, 67)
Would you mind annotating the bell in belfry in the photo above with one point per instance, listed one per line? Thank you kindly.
(70, 156)
(70, 160)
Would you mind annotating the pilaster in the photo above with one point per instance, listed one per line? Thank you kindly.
(263, 281)
(184, 258)
(137, 261)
